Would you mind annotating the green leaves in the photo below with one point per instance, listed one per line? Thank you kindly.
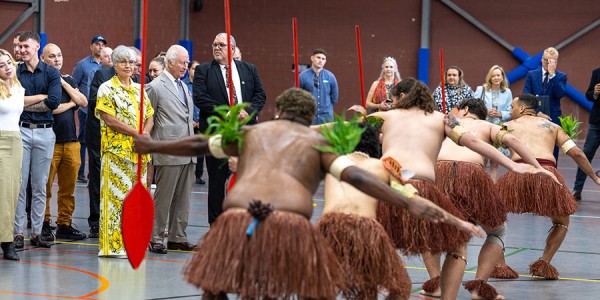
(342, 136)
(569, 125)
(374, 121)
(227, 123)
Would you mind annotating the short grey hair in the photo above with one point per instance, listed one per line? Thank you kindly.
(225, 35)
(173, 51)
(123, 52)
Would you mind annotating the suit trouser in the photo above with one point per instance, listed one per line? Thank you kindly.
(217, 176)
(11, 159)
(65, 164)
(38, 147)
(82, 119)
(93, 149)
(172, 201)
(592, 142)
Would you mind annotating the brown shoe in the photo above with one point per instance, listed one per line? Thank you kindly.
(185, 246)
(157, 248)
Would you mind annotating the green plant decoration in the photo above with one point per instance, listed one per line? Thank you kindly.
(342, 136)
(570, 125)
(227, 124)
(374, 121)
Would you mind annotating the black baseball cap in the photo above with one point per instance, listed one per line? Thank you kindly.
(99, 38)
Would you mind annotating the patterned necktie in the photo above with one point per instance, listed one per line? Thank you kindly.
(545, 82)
(181, 92)
(235, 98)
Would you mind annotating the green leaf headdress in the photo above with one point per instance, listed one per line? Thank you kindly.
(226, 124)
(342, 136)
(570, 124)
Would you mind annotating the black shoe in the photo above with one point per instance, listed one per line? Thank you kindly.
(157, 248)
(67, 232)
(39, 241)
(47, 231)
(200, 181)
(82, 179)
(94, 232)
(9, 251)
(18, 242)
(577, 195)
(181, 246)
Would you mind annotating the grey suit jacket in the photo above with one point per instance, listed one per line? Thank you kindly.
(172, 119)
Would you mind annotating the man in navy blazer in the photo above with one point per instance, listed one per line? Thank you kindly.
(549, 86)
(592, 141)
(210, 89)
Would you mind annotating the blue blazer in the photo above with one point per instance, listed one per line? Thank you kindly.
(555, 90)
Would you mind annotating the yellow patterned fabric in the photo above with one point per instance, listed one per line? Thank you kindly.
(117, 176)
(123, 104)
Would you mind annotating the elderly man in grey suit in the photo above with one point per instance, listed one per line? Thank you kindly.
(173, 118)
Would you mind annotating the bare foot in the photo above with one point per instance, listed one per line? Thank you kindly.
(475, 296)
(436, 294)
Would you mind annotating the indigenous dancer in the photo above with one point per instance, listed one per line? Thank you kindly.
(533, 194)
(366, 254)
(412, 136)
(460, 173)
(263, 245)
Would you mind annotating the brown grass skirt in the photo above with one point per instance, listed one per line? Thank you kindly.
(415, 236)
(366, 255)
(529, 193)
(285, 256)
(472, 191)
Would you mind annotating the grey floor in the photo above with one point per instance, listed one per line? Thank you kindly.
(72, 270)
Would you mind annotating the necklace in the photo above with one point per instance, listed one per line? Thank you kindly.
(528, 114)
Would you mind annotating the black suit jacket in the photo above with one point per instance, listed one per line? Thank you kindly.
(595, 113)
(209, 89)
(92, 124)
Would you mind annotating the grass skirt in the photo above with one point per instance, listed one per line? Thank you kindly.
(529, 193)
(285, 256)
(415, 236)
(366, 255)
(472, 191)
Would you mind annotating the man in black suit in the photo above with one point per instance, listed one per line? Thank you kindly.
(210, 89)
(592, 141)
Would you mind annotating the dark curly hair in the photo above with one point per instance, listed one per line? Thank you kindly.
(369, 141)
(298, 103)
(476, 107)
(415, 94)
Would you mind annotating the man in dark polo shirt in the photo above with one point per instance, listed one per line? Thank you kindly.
(42, 92)
(66, 159)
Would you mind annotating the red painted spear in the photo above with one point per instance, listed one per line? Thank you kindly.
(443, 81)
(360, 68)
(295, 37)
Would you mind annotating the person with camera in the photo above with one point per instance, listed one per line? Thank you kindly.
(378, 98)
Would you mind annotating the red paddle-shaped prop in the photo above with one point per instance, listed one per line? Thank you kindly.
(137, 218)
(360, 68)
(443, 81)
(295, 37)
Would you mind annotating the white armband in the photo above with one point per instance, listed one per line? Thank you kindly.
(566, 146)
(339, 165)
(215, 146)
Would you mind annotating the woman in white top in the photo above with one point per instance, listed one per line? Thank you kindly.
(12, 97)
(497, 95)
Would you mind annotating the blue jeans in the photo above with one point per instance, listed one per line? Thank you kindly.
(592, 141)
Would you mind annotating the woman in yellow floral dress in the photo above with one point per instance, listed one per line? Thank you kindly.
(118, 108)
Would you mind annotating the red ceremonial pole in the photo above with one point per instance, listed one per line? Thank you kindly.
(443, 81)
(295, 36)
(229, 53)
(360, 68)
(142, 81)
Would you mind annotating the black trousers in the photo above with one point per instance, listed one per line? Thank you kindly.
(218, 171)
(92, 138)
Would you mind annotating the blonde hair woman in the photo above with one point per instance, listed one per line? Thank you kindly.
(496, 95)
(378, 97)
(12, 98)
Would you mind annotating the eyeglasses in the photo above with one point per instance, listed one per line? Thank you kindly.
(129, 62)
(219, 45)
(316, 82)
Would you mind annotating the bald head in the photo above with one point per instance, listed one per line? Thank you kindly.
(105, 56)
(52, 55)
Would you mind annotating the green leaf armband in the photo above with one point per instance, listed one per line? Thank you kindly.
(406, 190)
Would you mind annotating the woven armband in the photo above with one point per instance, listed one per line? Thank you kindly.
(499, 137)
(566, 146)
(406, 190)
(215, 146)
(457, 132)
(339, 165)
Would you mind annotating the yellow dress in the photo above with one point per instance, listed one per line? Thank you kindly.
(118, 161)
